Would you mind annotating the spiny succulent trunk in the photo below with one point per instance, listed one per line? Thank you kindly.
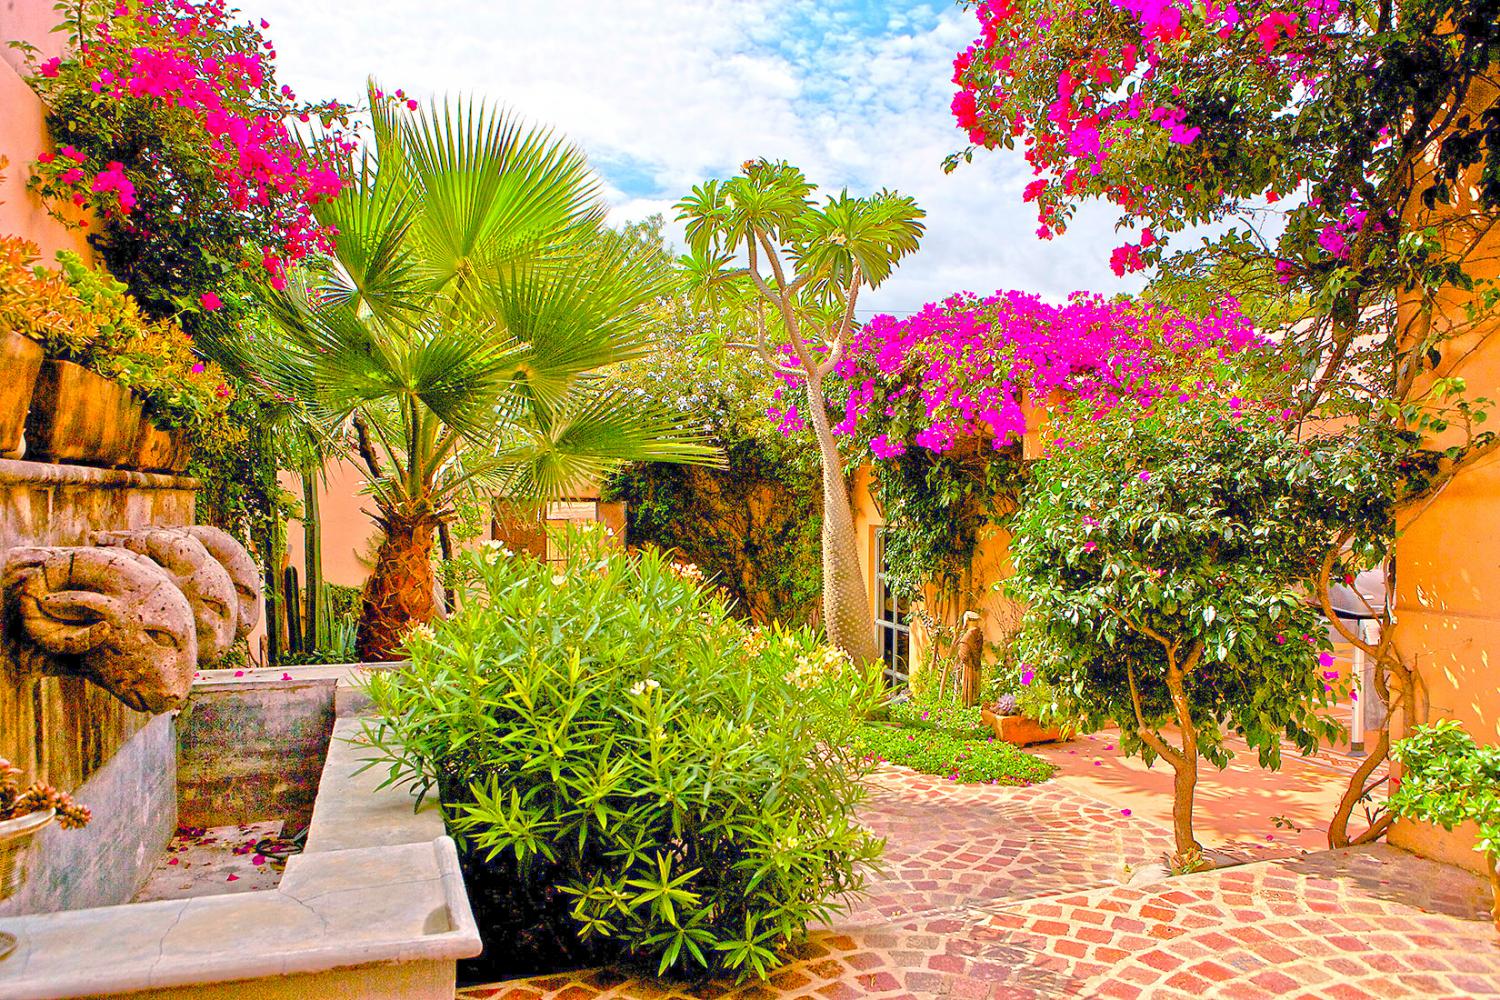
(399, 593)
(846, 604)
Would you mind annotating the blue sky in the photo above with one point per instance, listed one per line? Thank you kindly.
(664, 94)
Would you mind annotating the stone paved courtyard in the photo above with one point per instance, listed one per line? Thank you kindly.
(1038, 892)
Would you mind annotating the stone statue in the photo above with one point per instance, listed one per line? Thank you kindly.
(119, 612)
(243, 573)
(202, 579)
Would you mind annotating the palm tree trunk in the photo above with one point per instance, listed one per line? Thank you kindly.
(847, 618)
(399, 593)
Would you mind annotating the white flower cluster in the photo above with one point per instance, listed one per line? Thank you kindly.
(688, 571)
(422, 631)
(641, 687)
(812, 667)
(493, 550)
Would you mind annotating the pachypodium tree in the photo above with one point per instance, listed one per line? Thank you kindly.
(1165, 555)
(1346, 151)
(806, 263)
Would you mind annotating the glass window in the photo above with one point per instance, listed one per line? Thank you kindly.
(892, 621)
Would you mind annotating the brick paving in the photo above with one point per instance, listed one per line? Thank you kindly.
(1000, 892)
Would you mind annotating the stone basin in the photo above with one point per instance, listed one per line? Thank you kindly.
(374, 906)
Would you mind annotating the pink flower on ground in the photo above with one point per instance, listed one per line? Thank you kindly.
(1124, 812)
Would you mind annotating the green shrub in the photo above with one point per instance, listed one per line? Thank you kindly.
(1450, 779)
(952, 718)
(631, 772)
(966, 759)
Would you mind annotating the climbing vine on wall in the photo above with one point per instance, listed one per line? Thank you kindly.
(936, 506)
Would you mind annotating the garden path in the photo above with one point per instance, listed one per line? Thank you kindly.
(1005, 892)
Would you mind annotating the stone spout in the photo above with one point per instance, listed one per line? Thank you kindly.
(243, 573)
(203, 580)
(119, 613)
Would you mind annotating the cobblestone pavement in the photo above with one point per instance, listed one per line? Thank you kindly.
(1001, 892)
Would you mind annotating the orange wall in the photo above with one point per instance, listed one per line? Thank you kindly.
(23, 132)
(1448, 559)
(991, 564)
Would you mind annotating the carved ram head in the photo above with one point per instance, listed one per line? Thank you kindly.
(202, 579)
(120, 613)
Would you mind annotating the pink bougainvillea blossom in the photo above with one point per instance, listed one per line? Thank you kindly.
(960, 369)
(186, 60)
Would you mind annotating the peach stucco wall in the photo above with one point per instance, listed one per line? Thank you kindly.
(23, 133)
(976, 592)
(1448, 558)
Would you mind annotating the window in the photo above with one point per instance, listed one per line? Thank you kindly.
(892, 625)
(558, 515)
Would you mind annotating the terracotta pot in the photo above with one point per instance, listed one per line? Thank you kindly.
(156, 450)
(20, 360)
(77, 416)
(1019, 730)
(15, 836)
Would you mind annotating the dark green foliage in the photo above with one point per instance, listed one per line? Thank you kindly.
(1188, 538)
(632, 773)
(935, 508)
(752, 528)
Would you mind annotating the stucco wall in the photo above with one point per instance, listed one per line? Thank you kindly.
(976, 592)
(1448, 558)
(23, 132)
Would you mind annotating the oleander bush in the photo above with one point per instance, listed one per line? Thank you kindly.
(631, 772)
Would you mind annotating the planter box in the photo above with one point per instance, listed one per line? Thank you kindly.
(156, 450)
(21, 361)
(77, 416)
(1019, 730)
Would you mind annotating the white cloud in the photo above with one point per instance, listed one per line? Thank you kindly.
(681, 90)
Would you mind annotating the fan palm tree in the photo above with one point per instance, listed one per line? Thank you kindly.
(455, 335)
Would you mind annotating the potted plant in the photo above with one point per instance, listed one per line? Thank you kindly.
(23, 814)
(81, 417)
(35, 304)
(1005, 718)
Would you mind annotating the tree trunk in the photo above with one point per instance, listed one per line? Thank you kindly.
(1184, 787)
(1495, 888)
(399, 593)
(847, 617)
(1185, 780)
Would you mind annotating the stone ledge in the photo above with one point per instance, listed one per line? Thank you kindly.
(18, 472)
(340, 910)
(355, 812)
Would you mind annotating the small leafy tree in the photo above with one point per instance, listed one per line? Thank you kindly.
(1449, 779)
(1166, 557)
(807, 263)
(1348, 156)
